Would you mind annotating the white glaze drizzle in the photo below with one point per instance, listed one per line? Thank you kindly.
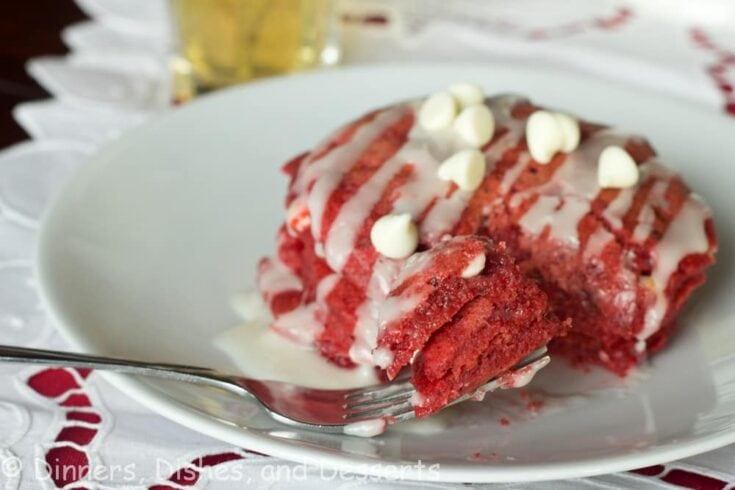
(576, 181)
(597, 242)
(616, 209)
(565, 198)
(445, 214)
(327, 171)
(302, 325)
(325, 286)
(562, 217)
(368, 313)
(353, 213)
(299, 325)
(274, 277)
(476, 265)
(365, 333)
(380, 309)
(512, 174)
(516, 132)
(383, 357)
(685, 235)
(316, 201)
(647, 216)
(424, 151)
(521, 377)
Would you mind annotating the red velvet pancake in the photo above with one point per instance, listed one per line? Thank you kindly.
(599, 273)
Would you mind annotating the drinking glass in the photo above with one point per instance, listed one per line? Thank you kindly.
(223, 42)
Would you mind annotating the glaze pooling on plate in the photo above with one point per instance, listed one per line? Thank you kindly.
(260, 352)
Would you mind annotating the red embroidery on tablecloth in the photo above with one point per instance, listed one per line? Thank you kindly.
(650, 470)
(67, 462)
(190, 474)
(690, 479)
(417, 20)
(721, 70)
(78, 435)
(682, 478)
(66, 465)
(53, 382)
(76, 400)
(90, 417)
(620, 17)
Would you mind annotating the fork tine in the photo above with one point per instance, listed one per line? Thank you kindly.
(389, 411)
(377, 391)
(402, 417)
(401, 391)
(380, 402)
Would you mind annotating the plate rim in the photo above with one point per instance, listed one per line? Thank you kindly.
(167, 407)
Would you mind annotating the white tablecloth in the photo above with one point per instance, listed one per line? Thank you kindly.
(116, 77)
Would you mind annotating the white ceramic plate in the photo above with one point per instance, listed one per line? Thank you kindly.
(148, 242)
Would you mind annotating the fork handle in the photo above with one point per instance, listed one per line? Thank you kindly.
(178, 372)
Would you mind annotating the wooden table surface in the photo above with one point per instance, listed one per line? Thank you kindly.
(28, 28)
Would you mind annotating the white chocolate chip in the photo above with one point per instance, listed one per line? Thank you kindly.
(616, 168)
(475, 266)
(544, 136)
(475, 125)
(438, 111)
(550, 132)
(465, 168)
(570, 131)
(467, 94)
(395, 236)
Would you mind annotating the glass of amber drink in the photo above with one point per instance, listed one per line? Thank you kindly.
(224, 42)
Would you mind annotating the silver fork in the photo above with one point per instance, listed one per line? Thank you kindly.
(308, 408)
